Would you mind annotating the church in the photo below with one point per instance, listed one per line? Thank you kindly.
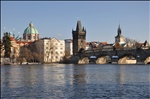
(31, 33)
(119, 39)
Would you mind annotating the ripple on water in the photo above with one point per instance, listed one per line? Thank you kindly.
(75, 82)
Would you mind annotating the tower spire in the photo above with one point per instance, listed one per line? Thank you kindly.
(119, 30)
(79, 26)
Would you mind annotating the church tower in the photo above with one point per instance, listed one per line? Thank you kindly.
(119, 38)
(79, 38)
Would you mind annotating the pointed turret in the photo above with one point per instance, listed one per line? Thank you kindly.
(119, 30)
(79, 26)
(83, 28)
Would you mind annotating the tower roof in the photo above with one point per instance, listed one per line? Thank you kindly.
(119, 31)
(79, 26)
(30, 29)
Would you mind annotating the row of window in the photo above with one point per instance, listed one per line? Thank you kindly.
(29, 37)
(52, 57)
(55, 43)
(55, 48)
(53, 53)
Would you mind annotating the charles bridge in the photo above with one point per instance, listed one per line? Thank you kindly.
(122, 56)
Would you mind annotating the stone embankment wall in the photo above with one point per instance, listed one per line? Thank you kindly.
(74, 59)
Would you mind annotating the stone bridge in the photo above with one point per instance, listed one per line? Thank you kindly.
(140, 55)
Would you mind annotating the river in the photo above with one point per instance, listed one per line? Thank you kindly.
(68, 81)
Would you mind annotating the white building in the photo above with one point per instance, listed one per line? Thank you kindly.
(68, 47)
(52, 50)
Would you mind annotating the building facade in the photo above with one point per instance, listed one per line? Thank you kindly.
(52, 50)
(30, 33)
(68, 47)
(16, 51)
(79, 38)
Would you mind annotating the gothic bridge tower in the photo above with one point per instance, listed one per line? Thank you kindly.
(79, 38)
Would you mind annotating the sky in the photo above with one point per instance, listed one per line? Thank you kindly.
(57, 18)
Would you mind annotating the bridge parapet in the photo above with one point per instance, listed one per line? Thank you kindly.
(141, 54)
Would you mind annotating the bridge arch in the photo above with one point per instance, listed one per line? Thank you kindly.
(147, 60)
(130, 56)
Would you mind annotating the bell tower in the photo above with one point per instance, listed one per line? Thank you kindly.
(119, 38)
(79, 38)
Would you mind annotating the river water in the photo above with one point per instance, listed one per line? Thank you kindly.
(68, 81)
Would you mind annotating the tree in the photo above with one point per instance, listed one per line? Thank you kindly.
(36, 50)
(131, 42)
(7, 45)
(25, 54)
(117, 46)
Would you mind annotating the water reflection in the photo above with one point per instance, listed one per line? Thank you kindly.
(79, 82)
(102, 74)
(61, 81)
(133, 74)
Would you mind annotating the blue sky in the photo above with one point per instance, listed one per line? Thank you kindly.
(57, 18)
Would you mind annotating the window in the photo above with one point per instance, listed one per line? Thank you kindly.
(29, 38)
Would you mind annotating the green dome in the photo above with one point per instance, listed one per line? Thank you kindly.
(31, 29)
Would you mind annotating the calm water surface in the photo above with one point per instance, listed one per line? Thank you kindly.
(68, 81)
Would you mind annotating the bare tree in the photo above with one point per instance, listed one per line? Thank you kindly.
(131, 42)
(36, 49)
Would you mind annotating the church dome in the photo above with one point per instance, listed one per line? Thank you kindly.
(30, 29)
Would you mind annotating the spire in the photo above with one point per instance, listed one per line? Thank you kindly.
(83, 29)
(119, 30)
(79, 27)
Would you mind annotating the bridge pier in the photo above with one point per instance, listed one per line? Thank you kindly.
(83, 61)
(125, 60)
(101, 60)
(147, 60)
